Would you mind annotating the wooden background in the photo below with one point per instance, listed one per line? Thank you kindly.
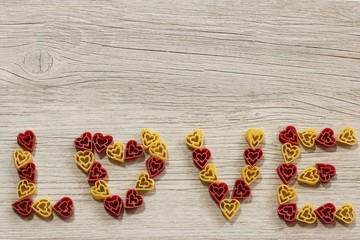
(224, 66)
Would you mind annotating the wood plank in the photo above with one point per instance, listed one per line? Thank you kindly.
(172, 66)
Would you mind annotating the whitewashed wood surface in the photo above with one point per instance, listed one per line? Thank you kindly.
(224, 66)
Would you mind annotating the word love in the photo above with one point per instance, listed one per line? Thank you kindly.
(90, 147)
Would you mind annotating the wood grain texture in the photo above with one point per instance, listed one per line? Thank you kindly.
(223, 66)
